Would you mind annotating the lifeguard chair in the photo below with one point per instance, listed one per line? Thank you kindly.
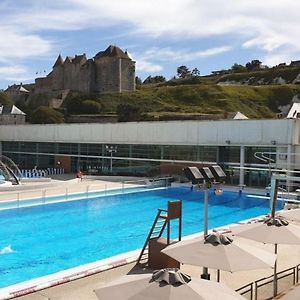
(151, 251)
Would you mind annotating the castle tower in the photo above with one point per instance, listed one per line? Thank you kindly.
(72, 67)
(114, 71)
(58, 74)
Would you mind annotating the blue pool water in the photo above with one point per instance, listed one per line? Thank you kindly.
(42, 240)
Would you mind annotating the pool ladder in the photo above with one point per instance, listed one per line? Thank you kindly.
(161, 221)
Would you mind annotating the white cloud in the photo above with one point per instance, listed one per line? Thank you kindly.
(145, 61)
(270, 25)
(14, 72)
(184, 55)
(17, 45)
(146, 66)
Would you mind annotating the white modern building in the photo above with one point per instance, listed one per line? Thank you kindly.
(148, 147)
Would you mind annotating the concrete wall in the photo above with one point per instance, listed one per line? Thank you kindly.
(235, 132)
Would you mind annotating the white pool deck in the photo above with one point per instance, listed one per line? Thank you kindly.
(79, 283)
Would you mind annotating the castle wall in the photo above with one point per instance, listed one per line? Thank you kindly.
(69, 70)
(105, 73)
(127, 75)
(43, 84)
(108, 74)
(58, 78)
(86, 82)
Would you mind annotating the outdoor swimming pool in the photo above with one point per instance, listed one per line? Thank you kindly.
(41, 240)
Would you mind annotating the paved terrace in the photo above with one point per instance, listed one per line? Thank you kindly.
(82, 289)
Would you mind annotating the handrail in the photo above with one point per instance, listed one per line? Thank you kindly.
(246, 289)
(158, 215)
(255, 285)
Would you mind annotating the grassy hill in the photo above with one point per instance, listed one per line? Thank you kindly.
(206, 97)
(268, 76)
(196, 99)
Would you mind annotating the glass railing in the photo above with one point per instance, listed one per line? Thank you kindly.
(76, 191)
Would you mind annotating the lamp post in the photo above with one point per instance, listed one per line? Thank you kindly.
(206, 176)
(211, 175)
(111, 150)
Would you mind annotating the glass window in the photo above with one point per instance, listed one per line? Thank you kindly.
(46, 147)
(229, 155)
(66, 148)
(146, 151)
(27, 147)
(207, 153)
(10, 146)
(251, 151)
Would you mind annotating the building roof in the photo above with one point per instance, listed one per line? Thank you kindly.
(10, 110)
(112, 51)
(240, 116)
(22, 89)
(17, 88)
(294, 112)
(79, 58)
(59, 61)
(68, 59)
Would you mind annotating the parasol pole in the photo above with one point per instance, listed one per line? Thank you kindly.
(273, 202)
(205, 274)
(273, 195)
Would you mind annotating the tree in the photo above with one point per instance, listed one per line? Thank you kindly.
(183, 72)
(155, 79)
(138, 80)
(128, 112)
(5, 99)
(237, 68)
(253, 65)
(195, 72)
(46, 115)
(73, 104)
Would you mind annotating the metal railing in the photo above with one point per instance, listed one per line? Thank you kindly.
(262, 289)
(246, 291)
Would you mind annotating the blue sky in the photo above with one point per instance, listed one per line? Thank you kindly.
(160, 35)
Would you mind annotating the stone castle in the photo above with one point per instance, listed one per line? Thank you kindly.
(111, 70)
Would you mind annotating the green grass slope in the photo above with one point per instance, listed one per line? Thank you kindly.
(184, 100)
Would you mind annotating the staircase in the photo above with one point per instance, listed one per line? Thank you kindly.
(155, 232)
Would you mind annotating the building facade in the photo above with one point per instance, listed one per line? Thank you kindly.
(10, 114)
(246, 149)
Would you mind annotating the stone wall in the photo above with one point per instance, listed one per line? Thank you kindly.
(43, 84)
(58, 78)
(86, 82)
(127, 75)
(107, 74)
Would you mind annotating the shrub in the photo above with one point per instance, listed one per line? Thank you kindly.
(128, 112)
(5, 99)
(90, 107)
(46, 115)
